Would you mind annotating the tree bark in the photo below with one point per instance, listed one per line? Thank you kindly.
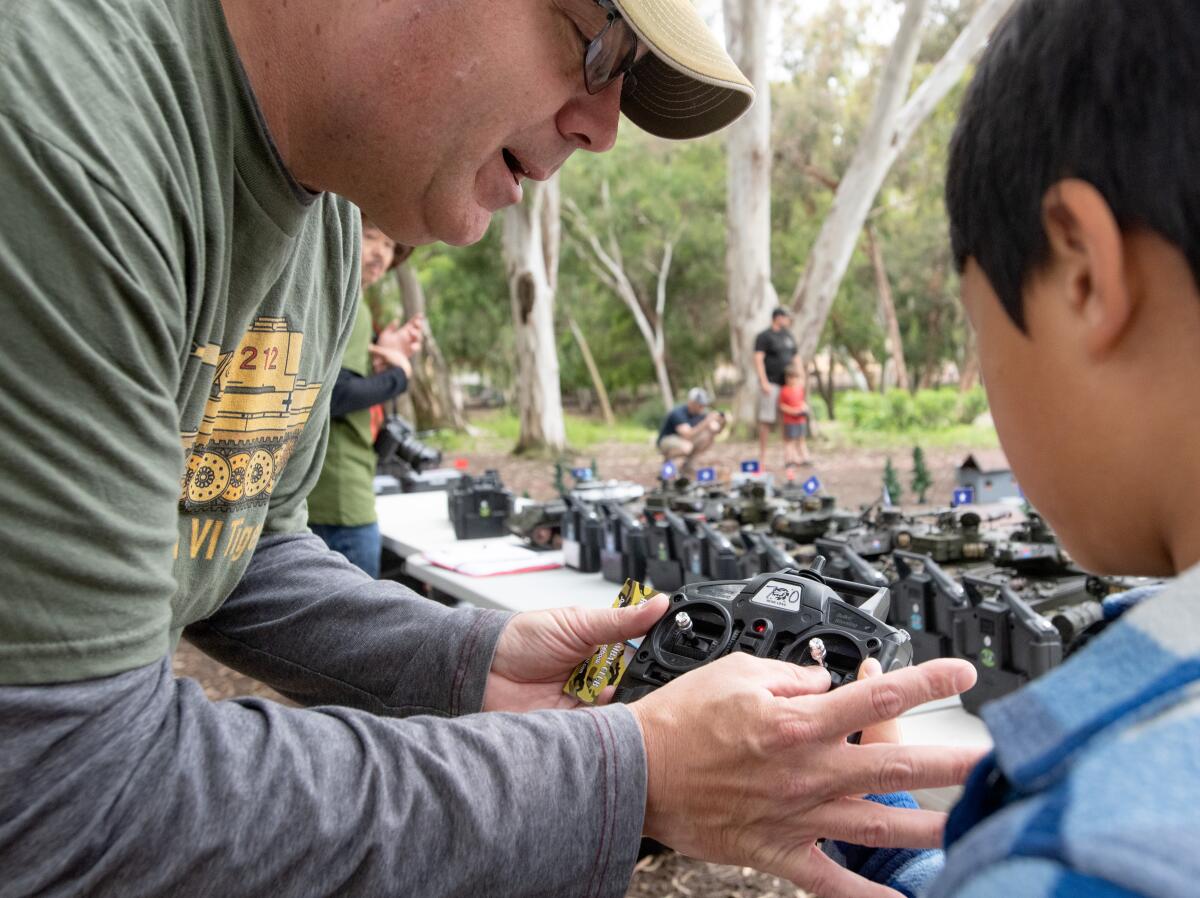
(435, 402)
(531, 233)
(608, 265)
(887, 307)
(593, 372)
(892, 124)
(752, 295)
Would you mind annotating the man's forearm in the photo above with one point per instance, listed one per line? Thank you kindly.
(137, 786)
(316, 628)
(760, 367)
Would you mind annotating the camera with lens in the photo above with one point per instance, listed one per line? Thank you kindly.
(397, 442)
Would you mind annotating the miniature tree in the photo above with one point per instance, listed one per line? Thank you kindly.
(891, 481)
(922, 480)
(595, 470)
(559, 486)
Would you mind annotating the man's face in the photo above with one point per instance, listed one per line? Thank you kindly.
(695, 408)
(485, 95)
(378, 251)
(782, 323)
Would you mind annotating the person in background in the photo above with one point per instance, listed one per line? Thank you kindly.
(794, 407)
(341, 507)
(774, 350)
(689, 430)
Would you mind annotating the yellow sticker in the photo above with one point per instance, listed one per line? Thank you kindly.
(607, 664)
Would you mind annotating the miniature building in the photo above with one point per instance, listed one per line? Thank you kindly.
(989, 475)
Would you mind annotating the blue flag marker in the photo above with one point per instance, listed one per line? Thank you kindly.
(812, 486)
(706, 475)
(963, 496)
(581, 474)
(669, 471)
(750, 467)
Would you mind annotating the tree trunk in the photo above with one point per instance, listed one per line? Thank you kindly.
(892, 124)
(435, 402)
(825, 385)
(593, 372)
(887, 307)
(531, 260)
(752, 295)
(608, 265)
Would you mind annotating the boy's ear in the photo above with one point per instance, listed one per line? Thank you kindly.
(1087, 259)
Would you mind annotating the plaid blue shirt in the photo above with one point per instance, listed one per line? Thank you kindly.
(1093, 788)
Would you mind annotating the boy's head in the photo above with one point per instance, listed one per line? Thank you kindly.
(1074, 205)
(791, 374)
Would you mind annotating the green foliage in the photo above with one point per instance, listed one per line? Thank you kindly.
(661, 191)
(498, 430)
(898, 411)
(891, 482)
(922, 480)
(650, 414)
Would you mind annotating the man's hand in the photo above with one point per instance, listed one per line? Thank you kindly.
(765, 386)
(397, 344)
(748, 764)
(538, 650)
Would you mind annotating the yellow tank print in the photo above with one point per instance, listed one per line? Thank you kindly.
(256, 409)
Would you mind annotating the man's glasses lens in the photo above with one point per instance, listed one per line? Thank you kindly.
(610, 55)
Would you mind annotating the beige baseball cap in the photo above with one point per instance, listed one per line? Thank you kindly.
(687, 86)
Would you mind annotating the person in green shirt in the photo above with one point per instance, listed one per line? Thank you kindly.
(341, 507)
(180, 186)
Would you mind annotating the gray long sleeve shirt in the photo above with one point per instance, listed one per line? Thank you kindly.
(137, 785)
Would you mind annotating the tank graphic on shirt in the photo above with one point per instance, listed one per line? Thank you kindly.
(257, 407)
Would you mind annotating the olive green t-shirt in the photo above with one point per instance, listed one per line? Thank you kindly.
(345, 494)
(174, 305)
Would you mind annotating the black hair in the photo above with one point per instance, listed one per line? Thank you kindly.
(1106, 91)
(780, 312)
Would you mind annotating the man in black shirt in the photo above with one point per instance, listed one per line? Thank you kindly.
(774, 350)
(689, 430)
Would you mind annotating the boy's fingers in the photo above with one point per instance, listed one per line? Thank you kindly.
(889, 730)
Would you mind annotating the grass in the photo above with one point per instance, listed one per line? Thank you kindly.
(837, 434)
(498, 430)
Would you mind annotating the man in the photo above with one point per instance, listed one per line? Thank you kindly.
(341, 507)
(689, 430)
(774, 350)
(173, 176)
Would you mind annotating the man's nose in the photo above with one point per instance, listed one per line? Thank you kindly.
(589, 121)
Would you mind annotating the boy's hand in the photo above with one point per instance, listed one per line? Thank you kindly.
(748, 764)
(889, 730)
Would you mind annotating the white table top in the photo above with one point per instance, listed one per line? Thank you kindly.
(413, 523)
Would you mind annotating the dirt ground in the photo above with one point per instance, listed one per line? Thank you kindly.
(854, 476)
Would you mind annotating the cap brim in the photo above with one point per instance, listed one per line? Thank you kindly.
(687, 85)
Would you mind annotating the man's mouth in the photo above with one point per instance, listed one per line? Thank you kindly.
(515, 167)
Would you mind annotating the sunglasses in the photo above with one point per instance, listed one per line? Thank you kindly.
(611, 54)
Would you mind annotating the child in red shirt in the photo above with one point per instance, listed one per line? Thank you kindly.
(795, 419)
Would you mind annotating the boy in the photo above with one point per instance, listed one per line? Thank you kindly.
(795, 419)
(1074, 204)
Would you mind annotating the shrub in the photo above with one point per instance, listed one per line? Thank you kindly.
(898, 411)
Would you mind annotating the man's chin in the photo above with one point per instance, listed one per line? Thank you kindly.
(471, 229)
